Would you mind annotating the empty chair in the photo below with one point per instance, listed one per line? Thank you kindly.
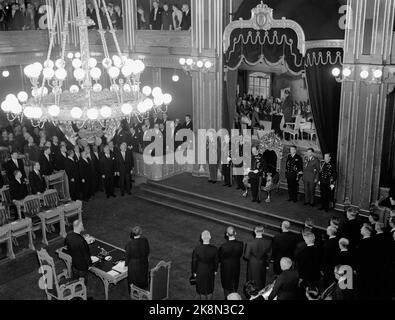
(22, 227)
(7, 201)
(293, 128)
(159, 284)
(48, 219)
(58, 286)
(51, 198)
(31, 207)
(72, 209)
(5, 237)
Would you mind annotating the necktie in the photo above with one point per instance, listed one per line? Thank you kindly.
(155, 14)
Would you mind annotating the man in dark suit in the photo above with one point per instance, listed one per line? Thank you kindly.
(351, 229)
(96, 177)
(283, 245)
(286, 286)
(46, 163)
(330, 251)
(257, 256)
(186, 18)
(188, 123)
(205, 266)
(78, 249)
(91, 14)
(85, 174)
(344, 257)
(327, 178)
(61, 158)
(15, 164)
(124, 166)
(311, 169)
(155, 19)
(107, 169)
(18, 188)
(293, 172)
(72, 172)
(308, 262)
(229, 255)
(36, 180)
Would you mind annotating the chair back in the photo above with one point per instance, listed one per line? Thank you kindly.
(51, 198)
(5, 233)
(160, 276)
(3, 216)
(49, 280)
(32, 205)
(6, 195)
(73, 208)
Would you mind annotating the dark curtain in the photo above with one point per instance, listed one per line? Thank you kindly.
(325, 94)
(242, 81)
(388, 153)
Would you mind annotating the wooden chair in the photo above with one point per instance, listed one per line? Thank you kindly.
(31, 207)
(3, 216)
(159, 284)
(72, 209)
(58, 286)
(309, 129)
(7, 201)
(5, 237)
(293, 128)
(51, 198)
(20, 228)
(48, 219)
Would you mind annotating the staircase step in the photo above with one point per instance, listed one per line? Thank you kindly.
(185, 207)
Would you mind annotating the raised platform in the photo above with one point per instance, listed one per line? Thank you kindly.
(195, 196)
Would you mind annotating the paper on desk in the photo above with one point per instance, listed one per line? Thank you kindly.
(113, 273)
(120, 267)
(94, 259)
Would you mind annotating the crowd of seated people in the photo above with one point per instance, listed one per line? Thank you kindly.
(258, 113)
(25, 15)
(164, 16)
(352, 260)
(28, 154)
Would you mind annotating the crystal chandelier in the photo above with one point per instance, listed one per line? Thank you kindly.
(88, 106)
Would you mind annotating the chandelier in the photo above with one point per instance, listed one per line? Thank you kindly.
(191, 64)
(88, 106)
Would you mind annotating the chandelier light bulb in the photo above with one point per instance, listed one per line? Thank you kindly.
(92, 62)
(77, 55)
(92, 114)
(156, 92)
(364, 74)
(97, 87)
(76, 113)
(127, 88)
(107, 63)
(182, 61)
(347, 72)
(95, 73)
(127, 70)
(5, 106)
(70, 55)
(48, 73)
(36, 113)
(117, 61)
(148, 104)
(208, 64)
(377, 73)
(35, 93)
(60, 63)
(336, 72)
(189, 62)
(53, 110)
(11, 97)
(141, 107)
(77, 63)
(74, 89)
(139, 67)
(114, 72)
(105, 112)
(175, 78)
(200, 64)
(28, 112)
(147, 91)
(167, 99)
(49, 64)
(5, 74)
(159, 100)
(126, 108)
(22, 96)
(79, 74)
(61, 74)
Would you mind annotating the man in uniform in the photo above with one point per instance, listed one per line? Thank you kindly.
(293, 171)
(255, 175)
(327, 178)
(226, 159)
(311, 169)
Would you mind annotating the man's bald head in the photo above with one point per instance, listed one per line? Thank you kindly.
(231, 232)
(78, 227)
(206, 237)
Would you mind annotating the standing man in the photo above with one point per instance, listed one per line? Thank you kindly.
(73, 175)
(188, 123)
(15, 164)
(78, 249)
(61, 158)
(213, 165)
(330, 251)
(86, 176)
(327, 178)
(255, 175)
(155, 20)
(257, 256)
(311, 170)
(186, 18)
(46, 162)
(107, 168)
(137, 253)
(97, 177)
(125, 166)
(205, 266)
(226, 160)
(293, 171)
(36, 180)
(230, 254)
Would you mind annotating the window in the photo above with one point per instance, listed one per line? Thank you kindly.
(259, 84)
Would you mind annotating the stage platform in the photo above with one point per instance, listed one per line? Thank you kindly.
(195, 196)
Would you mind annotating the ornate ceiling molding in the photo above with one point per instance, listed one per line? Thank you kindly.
(262, 19)
(332, 43)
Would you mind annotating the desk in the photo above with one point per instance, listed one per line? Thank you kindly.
(102, 267)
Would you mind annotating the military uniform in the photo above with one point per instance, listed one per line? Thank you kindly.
(293, 168)
(311, 168)
(226, 165)
(327, 178)
(256, 178)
